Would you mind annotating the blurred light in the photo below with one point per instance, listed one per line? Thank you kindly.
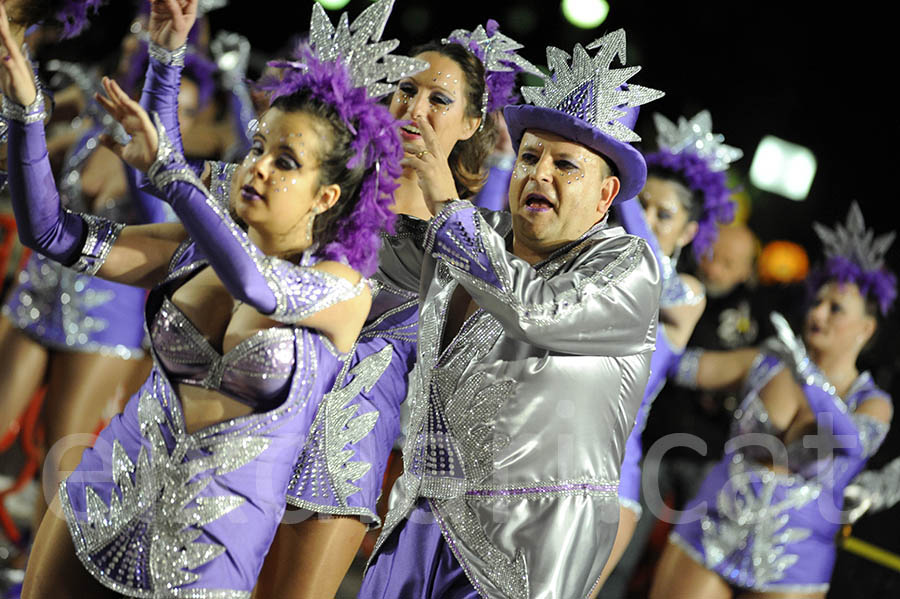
(782, 262)
(416, 19)
(521, 20)
(229, 60)
(783, 167)
(586, 14)
(333, 4)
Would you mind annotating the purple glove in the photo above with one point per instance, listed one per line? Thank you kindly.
(42, 223)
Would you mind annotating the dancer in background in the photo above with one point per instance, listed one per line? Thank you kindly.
(765, 518)
(249, 328)
(684, 202)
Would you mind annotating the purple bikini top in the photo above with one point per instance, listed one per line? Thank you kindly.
(256, 372)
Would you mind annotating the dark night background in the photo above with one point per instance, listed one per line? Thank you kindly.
(815, 74)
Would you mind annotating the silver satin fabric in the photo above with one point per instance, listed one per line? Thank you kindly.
(517, 431)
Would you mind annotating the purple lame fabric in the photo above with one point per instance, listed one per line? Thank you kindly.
(415, 562)
(879, 284)
(393, 325)
(67, 311)
(718, 209)
(378, 150)
(42, 224)
(454, 237)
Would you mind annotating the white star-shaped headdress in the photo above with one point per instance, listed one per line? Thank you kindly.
(358, 47)
(854, 242)
(696, 136)
(590, 89)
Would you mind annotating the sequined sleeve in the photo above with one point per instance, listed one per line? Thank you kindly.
(881, 486)
(606, 304)
(278, 288)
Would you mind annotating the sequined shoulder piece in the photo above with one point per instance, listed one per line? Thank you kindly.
(299, 291)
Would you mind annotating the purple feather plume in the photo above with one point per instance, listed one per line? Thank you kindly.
(73, 16)
(376, 142)
(718, 208)
(880, 284)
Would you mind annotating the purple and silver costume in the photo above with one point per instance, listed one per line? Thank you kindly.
(771, 531)
(341, 464)
(64, 310)
(156, 518)
(341, 468)
(183, 513)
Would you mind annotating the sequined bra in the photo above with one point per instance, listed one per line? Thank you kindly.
(256, 372)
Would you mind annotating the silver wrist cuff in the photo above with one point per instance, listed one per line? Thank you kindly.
(173, 58)
(32, 113)
(102, 234)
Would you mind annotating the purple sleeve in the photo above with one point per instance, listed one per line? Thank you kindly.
(859, 431)
(632, 218)
(150, 208)
(42, 223)
(279, 288)
(161, 85)
(494, 195)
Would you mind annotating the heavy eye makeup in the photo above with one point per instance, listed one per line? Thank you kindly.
(410, 89)
(285, 160)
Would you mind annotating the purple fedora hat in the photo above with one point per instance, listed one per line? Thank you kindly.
(589, 103)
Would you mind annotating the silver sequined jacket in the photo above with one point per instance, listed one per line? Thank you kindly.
(518, 427)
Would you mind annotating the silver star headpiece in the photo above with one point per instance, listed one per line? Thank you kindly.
(589, 89)
(854, 241)
(498, 49)
(358, 47)
(696, 136)
(205, 6)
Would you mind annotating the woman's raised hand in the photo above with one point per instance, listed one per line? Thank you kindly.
(140, 152)
(171, 21)
(16, 77)
(432, 168)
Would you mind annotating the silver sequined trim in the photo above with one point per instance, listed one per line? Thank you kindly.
(172, 58)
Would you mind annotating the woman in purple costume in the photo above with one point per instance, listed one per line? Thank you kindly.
(445, 144)
(81, 338)
(765, 519)
(249, 323)
(684, 202)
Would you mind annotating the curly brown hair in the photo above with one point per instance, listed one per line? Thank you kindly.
(467, 159)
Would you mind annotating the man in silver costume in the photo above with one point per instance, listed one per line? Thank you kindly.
(536, 331)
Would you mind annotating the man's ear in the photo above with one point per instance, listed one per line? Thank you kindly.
(609, 189)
